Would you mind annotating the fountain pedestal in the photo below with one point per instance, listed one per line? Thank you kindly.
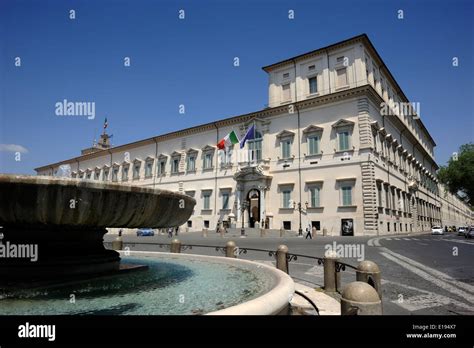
(46, 253)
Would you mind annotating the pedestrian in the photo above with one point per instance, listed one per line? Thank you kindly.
(308, 233)
(218, 227)
(176, 230)
(120, 233)
(170, 232)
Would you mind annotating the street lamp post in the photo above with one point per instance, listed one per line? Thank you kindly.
(243, 206)
(300, 210)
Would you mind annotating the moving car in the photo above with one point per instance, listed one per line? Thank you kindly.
(437, 230)
(462, 231)
(145, 232)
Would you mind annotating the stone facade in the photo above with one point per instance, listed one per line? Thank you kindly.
(324, 147)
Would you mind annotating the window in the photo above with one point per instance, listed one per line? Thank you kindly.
(105, 175)
(346, 195)
(225, 200)
(191, 163)
(379, 194)
(96, 175)
(343, 140)
(285, 148)
(136, 171)
(313, 145)
(286, 75)
(148, 169)
(313, 85)
(206, 223)
(341, 77)
(190, 223)
(207, 161)
(286, 196)
(175, 166)
(315, 196)
(388, 226)
(311, 67)
(287, 225)
(115, 175)
(286, 92)
(161, 167)
(88, 175)
(255, 147)
(206, 200)
(125, 173)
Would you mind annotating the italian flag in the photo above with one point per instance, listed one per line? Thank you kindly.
(229, 140)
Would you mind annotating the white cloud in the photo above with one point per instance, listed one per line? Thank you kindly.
(13, 148)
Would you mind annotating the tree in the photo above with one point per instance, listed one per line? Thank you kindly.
(458, 175)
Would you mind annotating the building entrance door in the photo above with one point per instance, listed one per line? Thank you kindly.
(253, 199)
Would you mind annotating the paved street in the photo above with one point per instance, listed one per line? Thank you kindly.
(421, 274)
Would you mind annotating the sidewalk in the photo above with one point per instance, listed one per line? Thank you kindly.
(326, 304)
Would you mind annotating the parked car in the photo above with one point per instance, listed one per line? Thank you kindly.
(469, 234)
(437, 230)
(145, 232)
(462, 231)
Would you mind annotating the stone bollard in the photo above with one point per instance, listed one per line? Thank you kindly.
(332, 279)
(117, 244)
(221, 231)
(262, 232)
(325, 231)
(230, 249)
(175, 246)
(368, 272)
(204, 232)
(359, 298)
(282, 232)
(281, 258)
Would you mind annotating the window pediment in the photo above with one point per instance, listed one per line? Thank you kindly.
(137, 160)
(149, 159)
(343, 123)
(208, 148)
(312, 129)
(176, 154)
(192, 151)
(285, 134)
(162, 157)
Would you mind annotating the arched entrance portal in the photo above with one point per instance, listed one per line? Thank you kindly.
(253, 199)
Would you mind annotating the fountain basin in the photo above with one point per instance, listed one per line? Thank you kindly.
(173, 284)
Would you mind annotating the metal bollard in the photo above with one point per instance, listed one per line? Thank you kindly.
(204, 232)
(368, 272)
(175, 246)
(230, 249)
(359, 298)
(332, 279)
(281, 258)
(117, 244)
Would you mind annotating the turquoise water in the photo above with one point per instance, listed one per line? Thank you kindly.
(174, 286)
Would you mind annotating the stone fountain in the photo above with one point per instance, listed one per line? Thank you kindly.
(53, 227)
(51, 246)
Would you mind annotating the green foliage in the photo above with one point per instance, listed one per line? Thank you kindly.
(458, 175)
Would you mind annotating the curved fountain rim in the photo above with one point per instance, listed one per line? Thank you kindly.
(84, 183)
(270, 303)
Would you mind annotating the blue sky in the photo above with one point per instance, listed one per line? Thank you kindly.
(190, 62)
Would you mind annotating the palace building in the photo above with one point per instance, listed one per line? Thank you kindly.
(324, 153)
